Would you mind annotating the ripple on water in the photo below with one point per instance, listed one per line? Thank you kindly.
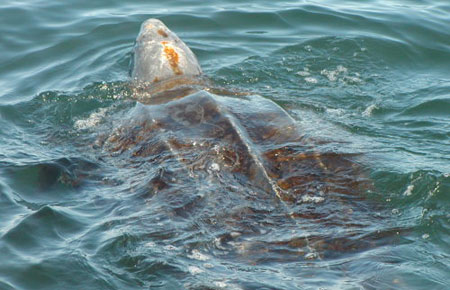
(46, 181)
(47, 228)
(373, 76)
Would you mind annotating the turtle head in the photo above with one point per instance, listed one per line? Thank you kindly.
(159, 54)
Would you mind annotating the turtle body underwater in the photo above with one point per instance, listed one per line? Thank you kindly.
(232, 173)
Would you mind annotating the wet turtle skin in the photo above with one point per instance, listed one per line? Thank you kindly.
(233, 170)
(240, 167)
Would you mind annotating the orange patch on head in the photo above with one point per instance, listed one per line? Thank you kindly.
(172, 57)
(162, 32)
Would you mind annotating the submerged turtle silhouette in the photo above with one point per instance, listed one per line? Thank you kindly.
(239, 165)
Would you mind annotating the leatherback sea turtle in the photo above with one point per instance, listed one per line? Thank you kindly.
(238, 165)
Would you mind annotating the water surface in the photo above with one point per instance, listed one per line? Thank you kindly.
(372, 79)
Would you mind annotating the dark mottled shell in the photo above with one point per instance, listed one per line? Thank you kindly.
(248, 149)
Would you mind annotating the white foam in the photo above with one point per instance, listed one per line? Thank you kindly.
(195, 270)
(408, 190)
(170, 248)
(312, 199)
(220, 284)
(214, 167)
(338, 112)
(208, 265)
(311, 80)
(150, 244)
(395, 211)
(332, 75)
(235, 234)
(352, 80)
(93, 120)
(368, 111)
(303, 73)
(311, 256)
(197, 255)
(341, 69)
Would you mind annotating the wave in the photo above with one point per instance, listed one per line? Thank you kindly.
(373, 76)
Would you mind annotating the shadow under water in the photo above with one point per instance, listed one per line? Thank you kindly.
(235, 179)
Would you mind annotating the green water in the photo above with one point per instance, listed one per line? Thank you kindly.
(374, 77)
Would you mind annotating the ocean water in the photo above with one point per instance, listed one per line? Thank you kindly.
(370, 77)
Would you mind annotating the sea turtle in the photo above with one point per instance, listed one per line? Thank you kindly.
(238, 165)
